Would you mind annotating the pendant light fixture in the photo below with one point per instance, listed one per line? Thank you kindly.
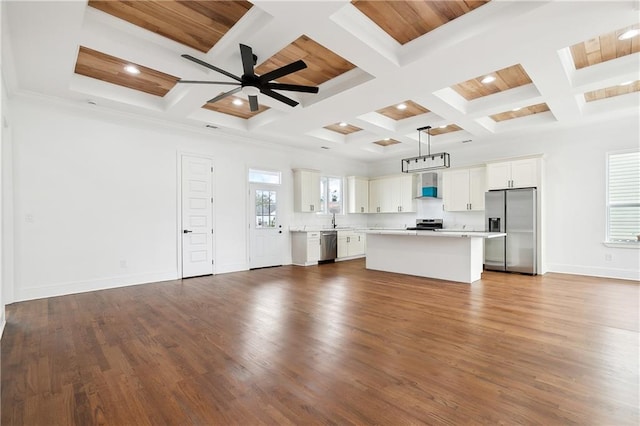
(426, 162)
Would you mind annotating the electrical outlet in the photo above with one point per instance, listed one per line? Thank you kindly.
(28, 218)
(608, 257)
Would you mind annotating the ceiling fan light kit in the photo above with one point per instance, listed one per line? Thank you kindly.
(429, 161)
(251, 84)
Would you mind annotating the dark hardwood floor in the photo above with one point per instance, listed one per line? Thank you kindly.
(333, 344)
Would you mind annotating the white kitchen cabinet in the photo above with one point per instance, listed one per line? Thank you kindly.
(463, 189)
(358, 194)
(513, 174)
(306, 190)
(392, 194)
(305, 248)
(350, 244)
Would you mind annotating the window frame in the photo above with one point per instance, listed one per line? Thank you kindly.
(324, 195)
(266, 171)
(608, 205)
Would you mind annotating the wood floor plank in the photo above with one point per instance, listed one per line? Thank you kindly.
(328, 344)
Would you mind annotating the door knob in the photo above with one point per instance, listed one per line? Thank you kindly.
(186, 231)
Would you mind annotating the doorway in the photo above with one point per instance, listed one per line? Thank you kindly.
(266, 237)
(196, 205)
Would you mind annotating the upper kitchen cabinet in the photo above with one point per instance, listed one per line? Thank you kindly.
(513, 174)
(306, 190)
(392, 194)
(358, 194)
(463, 189)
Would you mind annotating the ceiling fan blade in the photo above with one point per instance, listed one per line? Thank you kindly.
(208, 82)
(253, 103)
(224, 95)
(292, 87)
(278, 96)
(247, 59)
(211, 67)
(282, 71)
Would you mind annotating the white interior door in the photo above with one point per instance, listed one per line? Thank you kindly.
(266, 235)
(197, 216)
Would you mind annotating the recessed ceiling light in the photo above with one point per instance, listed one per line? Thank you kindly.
(443, 127)
(629, 34)
(517, 109)
(342, 124)
(488, 79)
(387, 139)
(132, 69)
(626, 83)
(401, 106)
(237, 101)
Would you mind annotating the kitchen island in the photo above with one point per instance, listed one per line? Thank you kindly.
(446, 255)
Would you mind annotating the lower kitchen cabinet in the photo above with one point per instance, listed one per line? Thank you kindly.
(305, 248)
(351, 244)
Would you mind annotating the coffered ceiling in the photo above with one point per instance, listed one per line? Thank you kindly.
(472, 70)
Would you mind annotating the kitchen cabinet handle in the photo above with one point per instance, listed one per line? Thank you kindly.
(311, 207)
(361, 209)
(186, 231)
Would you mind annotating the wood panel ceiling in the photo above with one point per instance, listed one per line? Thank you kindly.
(198, 24)
(604, 48)
(412, 109)
(386, 142)
(322, 64)
(610, 92)
(522, 112)
(94, 64)
(226, 106)
(345, 130)
(441, 131)
(505, 79)
(406, 20)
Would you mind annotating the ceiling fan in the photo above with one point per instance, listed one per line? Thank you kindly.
(251, 84)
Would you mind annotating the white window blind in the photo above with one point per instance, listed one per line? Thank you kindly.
(623, 197)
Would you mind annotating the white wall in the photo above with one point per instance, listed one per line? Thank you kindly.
(96, 196)
(574, 203)
(95, 190)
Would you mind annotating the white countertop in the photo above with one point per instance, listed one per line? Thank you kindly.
(403, 231)
(320, 229)
(439, 233)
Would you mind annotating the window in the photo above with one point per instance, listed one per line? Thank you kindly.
(623, 197)
(264, 176)
(330, 195)
(266, 209)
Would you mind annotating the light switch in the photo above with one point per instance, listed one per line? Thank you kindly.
(28, 218)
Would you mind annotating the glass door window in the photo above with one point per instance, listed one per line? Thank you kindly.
(266, 209)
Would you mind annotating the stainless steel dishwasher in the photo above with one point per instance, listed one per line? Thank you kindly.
(328, 246)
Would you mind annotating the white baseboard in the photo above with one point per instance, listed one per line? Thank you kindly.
(62, 289)
(621, 274)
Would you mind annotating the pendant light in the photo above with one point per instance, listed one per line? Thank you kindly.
(426, 162)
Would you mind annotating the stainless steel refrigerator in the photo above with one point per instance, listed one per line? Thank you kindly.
(512, 211)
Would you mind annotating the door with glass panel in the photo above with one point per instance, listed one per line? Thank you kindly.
(267, 238)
